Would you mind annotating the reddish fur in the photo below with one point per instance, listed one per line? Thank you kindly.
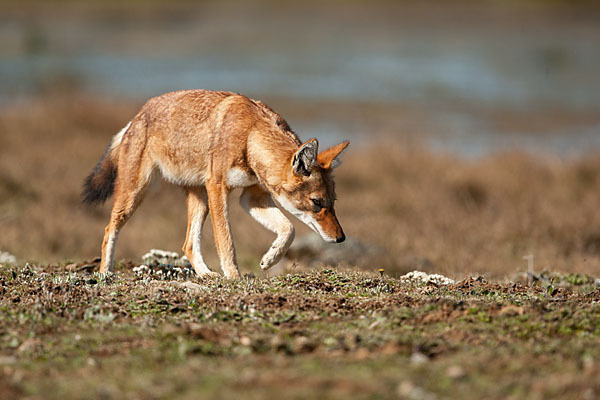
(195, 137)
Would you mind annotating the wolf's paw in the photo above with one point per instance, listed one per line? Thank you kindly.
(205, 271)
(265, 265)
(269, 259)
(211, 274)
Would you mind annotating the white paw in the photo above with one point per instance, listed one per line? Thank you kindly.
(209, 273)
(268, 260)
(203, 270)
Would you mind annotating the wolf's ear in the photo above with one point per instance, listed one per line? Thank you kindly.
(305, 157)
(330, 158)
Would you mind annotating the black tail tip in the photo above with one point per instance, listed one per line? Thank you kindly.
(100, 184)
(93, 194)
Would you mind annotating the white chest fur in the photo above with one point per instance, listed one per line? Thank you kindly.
(237, 177)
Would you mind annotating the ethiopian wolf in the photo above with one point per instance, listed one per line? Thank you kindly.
(210, 143)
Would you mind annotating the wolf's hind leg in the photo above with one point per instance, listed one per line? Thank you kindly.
(258, 203)
(197, 210)
(130, 187)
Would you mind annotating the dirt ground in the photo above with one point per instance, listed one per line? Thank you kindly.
(66, 332)
(518, 232)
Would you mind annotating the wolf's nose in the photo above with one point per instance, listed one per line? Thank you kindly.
(340, 239)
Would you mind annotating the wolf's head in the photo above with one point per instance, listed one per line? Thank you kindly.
(308, 191)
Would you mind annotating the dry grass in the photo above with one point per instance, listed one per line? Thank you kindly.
(457, 216)
(326, 334)
(428, 211)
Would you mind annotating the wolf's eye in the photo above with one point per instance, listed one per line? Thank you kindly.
(317, 205)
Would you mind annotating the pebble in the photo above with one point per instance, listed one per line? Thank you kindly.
(455, 372)
(245, 341)
(7, 258)
(190, 286)
(418, 358)
(420, 277)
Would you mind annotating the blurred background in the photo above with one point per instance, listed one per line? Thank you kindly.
(475, 125)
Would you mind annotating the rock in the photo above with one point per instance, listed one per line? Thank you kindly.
(302, 344)
(199, 331)
(511, 310)
(7, 360)
(422, 278)
(189, 286)
(28, 345)
(408, 390)
(89, 268)
(245, 341)
(157, 256)
(7, 258)
(455, 372)
(418, 358)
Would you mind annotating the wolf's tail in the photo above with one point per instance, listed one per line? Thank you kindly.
(100, 184)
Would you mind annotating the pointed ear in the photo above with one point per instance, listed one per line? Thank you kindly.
(305, 157)
(329, 159)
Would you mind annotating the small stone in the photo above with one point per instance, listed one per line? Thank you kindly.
(28, 345)
(7, 360)
(245, 341)
(199, 331)
(408, 390)
(405, 388)
(189, 286)
(362, 353)
(375, 323)
(455, 372)
(390, 349)
(302, 344)
(589, 394)
(511, 310)
(7, 258)
(587, 362)
(71, 267)
(89, 268)
(418, 358)
(422, 278)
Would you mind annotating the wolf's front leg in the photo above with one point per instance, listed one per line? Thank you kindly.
(259, 204)
(197, 205)
(217, 202)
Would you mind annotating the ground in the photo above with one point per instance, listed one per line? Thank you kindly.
(466, 174)
(67, 332)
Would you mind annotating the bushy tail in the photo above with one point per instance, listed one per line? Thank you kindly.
(100, 184)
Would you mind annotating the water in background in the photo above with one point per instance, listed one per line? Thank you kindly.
(463, 79)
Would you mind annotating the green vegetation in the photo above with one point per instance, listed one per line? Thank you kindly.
(330, 333)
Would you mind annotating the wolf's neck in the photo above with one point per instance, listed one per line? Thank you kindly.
(269, 156)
